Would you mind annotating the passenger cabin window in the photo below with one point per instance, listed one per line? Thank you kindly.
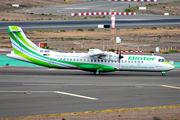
(141, 61)
(101, 60)
(94, 60)
(64, 59)
(97, 60)
(60, 58)
(77, 59)
(125, 61)
(70, 59)
(128, 61)
(67, 59)
(91, 60)
(87, 60)
(134, 61)
(73, 59)
(138, 61)
(131, 61)
(84, 60)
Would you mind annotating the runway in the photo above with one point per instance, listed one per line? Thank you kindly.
(86, 24)
(33, 91)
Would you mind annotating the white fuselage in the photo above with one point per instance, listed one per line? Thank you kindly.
(128, 63)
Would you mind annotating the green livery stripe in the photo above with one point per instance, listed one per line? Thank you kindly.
(16, 40)
(23, 40)
(89, 66)
(14, 28)
(168, 63)
(19, 35)
(36, 61)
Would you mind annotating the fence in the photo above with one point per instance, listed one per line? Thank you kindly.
(80, 45)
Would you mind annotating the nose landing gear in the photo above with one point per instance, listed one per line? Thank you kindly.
(163, 73)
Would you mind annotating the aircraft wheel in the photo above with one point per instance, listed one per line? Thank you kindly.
(97, 72)
(163, 74)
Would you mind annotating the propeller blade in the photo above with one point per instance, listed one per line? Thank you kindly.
(119, 55)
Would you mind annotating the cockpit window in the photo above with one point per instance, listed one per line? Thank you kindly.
(162, 60)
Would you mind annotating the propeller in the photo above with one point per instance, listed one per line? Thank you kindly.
(120, 56)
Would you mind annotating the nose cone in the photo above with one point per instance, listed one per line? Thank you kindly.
(172, 67)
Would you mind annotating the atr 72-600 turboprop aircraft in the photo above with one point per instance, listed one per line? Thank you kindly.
(96, 61)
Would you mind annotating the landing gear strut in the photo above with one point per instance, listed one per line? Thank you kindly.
(163, 73)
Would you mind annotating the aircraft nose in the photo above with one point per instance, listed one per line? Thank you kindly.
(172, 67)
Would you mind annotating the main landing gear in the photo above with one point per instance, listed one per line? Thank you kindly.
(98, 71)
(163, 73)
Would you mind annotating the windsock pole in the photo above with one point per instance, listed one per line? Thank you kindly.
(112, 26)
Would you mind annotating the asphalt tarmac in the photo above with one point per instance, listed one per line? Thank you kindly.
(27, 91)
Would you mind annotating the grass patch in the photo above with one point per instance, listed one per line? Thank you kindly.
(151, 51)
(80, 29)
(44, 30)
(170, 51)
(128, 10)
(90, 48)
(62, 30)
(111, 50)
(153, 28)
(90, 29)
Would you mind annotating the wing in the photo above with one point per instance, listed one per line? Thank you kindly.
(96, 53)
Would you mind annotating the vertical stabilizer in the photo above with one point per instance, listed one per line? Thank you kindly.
(19, 40)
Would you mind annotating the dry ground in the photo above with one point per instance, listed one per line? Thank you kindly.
(7, 4)
(145, 38)
(8, 13)
(171, 112)
(172, 8)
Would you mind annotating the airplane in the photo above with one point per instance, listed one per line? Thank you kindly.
(96, 60)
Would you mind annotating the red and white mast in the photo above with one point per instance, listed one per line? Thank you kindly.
(112, 25)
(112, 13)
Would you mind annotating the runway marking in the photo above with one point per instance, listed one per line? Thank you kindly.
(170, 86)
(59, 92)
(75, 95)
(125, 85)
(75, 8)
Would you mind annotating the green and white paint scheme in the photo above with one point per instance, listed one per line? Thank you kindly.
(95, 60)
